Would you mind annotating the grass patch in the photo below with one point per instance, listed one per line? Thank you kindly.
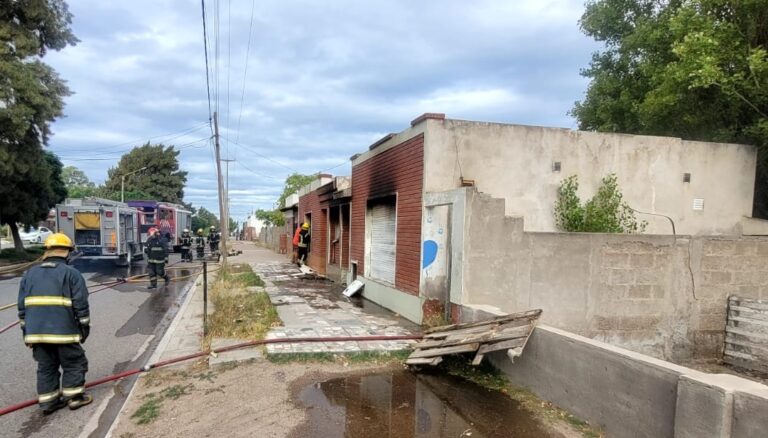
(148, 412)
(487, 376)
(381, 357)
(10, 255)
(176, 391)
(238, 313)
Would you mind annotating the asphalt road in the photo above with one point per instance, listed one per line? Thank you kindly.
(127, 323)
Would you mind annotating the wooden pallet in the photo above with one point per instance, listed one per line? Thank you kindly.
(509, 332)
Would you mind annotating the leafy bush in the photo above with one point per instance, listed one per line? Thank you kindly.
(606, 212)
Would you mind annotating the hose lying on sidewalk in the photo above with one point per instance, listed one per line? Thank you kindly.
(124, 374)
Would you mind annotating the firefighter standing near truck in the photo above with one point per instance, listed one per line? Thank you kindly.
(55, 320)
(157, 257)
(186, 246)
(200, 243)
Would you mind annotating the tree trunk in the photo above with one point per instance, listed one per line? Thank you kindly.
(17, 243)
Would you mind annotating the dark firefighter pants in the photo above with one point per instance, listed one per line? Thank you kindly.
(302, 254)
(186, 254)
(50, 357)
(214, 246)
(156, 270)
(200, 252)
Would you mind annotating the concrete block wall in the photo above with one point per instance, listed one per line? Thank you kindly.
(633, 395)
(664, 296)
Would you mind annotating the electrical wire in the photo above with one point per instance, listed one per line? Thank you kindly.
(207, 77)
(177, 134)
(255, 172)
(245, 71)
(253, 150)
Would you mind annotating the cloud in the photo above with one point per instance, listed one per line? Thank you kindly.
(324, 80)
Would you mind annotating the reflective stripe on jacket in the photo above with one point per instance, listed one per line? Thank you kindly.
(53, 303)
(304, 238)
(156, 250)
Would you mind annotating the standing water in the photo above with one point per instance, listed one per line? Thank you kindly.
(403, 404)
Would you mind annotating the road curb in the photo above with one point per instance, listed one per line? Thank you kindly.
(161, 346)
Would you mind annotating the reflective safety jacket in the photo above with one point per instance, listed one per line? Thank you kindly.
(156, 250)
(214, 237)
(186, 241)
(304, 238)
(53, 303)
(200, 241)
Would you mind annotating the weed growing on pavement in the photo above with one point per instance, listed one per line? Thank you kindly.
(487, 376)
(176, 391)
(148, 412)
(238, 313)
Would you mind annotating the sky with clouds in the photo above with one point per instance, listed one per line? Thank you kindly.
(324, 80)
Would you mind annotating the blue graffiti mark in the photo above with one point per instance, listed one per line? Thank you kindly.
(430, 253)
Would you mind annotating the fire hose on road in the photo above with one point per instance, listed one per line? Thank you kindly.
(128, 373)
(104, 286)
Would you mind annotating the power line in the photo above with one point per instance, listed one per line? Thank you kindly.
(177, 134)
(251, 148)
(229, 60)
(245, 71)
(207, 78)
(240, 162)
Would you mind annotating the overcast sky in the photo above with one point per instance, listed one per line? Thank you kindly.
(325, 79)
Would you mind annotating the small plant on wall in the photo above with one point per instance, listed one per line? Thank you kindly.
(606, 212)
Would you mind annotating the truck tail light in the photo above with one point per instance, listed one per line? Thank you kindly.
(109, 214)
(63, 214)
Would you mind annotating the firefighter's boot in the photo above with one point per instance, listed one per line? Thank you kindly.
(79, 401)
(152, 285)
(54, 406)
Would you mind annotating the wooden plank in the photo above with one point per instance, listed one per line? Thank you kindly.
(750, 365)
(749, 310)
(730, 339)
(466, 348)
(530, 314)
(440, 335)
(752, 304)
(748, 320)
(503, 345)
(738, 331)
(487, 336)
(424, 361)
(478, 359)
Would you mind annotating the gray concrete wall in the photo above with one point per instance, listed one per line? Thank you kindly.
(514, 162)
(632, 395)
(659, 295)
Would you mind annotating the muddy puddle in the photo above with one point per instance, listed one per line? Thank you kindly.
(404, 404)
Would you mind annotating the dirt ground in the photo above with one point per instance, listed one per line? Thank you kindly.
(258, 398)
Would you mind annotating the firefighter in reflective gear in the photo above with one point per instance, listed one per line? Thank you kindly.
(213, 239)
(186, 245)
(200, 243)
(303, 245)
(157, 257)
(55, 320)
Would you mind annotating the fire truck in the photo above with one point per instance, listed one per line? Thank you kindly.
(171, 219)
(101, 229)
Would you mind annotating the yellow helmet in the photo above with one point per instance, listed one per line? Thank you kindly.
(58, 240)
(199, 231)
(305, 226)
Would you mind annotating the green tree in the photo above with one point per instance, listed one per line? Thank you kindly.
(161, 180)
(204, 219)
(77, 183)
(33, 199)
(696, 69)
(271, 217)
(31, 97)
(606, 212)
(293, 183)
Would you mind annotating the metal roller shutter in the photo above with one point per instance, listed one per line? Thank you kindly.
(383, 242)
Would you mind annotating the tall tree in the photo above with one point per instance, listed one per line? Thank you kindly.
(34, 196)
(293, 183)
(204, 220)
(161, 180)
(31, 97)
(696, 69)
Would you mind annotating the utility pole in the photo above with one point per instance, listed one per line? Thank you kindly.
(222, 207)
(226, 188)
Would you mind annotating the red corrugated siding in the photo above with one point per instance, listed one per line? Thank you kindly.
(310, 203)
(399, 170)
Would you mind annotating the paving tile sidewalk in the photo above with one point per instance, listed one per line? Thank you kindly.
(317, 308)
